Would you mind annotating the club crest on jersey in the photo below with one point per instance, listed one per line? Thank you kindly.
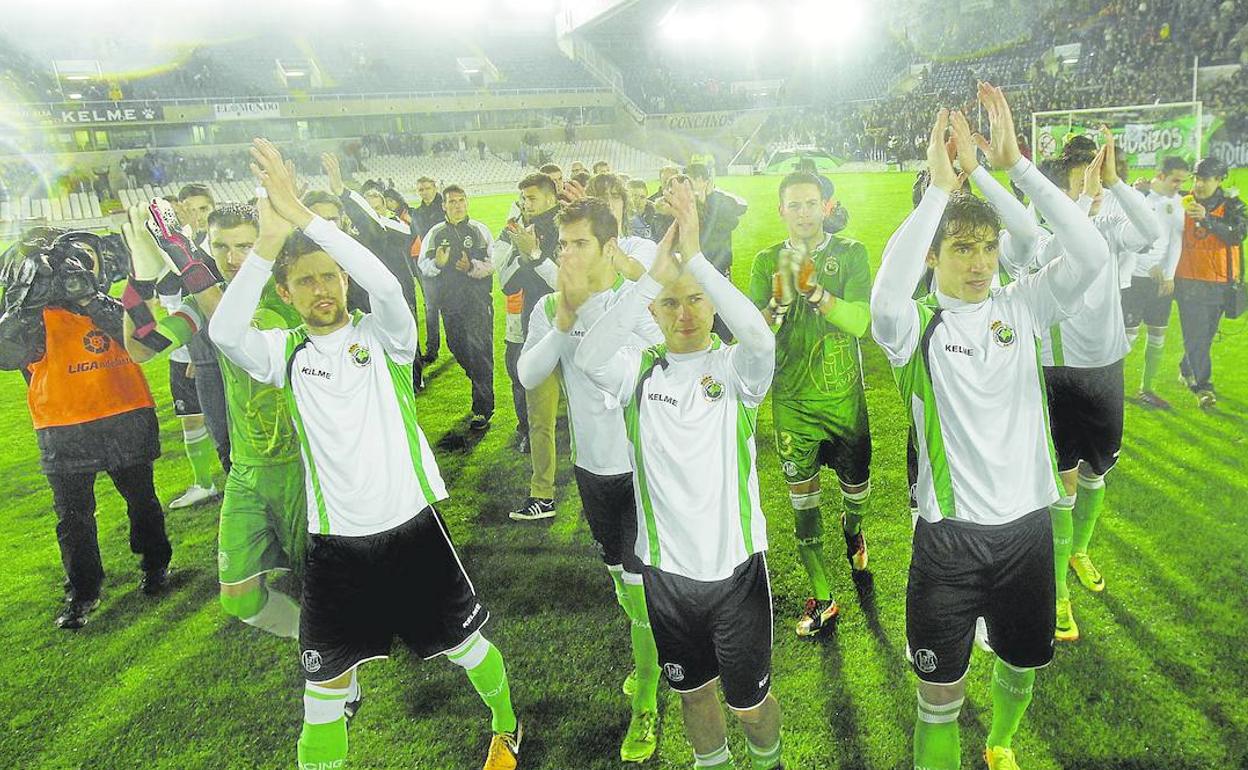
(468, 242)
(674, 672)
(311, 661)
(712, 389)
(360, 355)
(1002, 334)
(831, 265)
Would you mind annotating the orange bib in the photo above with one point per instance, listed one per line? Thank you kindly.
(85, 375)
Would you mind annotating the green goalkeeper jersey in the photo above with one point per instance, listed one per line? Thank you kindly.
(261, 431)
(818, 360)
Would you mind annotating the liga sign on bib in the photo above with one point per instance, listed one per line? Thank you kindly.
(246, 110)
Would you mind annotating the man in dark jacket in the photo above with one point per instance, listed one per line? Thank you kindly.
(455, 256)
(530, 269)
(1210, 275)
(424, 217)
(92, 412)
(719, 213)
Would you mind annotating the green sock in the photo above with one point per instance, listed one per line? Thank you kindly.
(645, 654)
(323, 740)
(1063, 528)
(719, 759)
(1088, 505)
(1011, 694)
(489, 676)
(808, 527)
(202, 454)
(937, 739)
(764, 759)
(855, 509)
(1154, 349)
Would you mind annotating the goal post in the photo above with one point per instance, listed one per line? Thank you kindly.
(1144, 134)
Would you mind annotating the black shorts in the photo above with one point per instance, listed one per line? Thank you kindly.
(182, 388)
(1085, 415)
(612, 515)
(722, 628)
(961, 571)
(1141, 304)
(361, 592)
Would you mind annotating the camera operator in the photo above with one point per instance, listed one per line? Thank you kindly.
(90, 405)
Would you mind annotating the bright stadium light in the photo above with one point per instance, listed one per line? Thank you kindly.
(821, 20)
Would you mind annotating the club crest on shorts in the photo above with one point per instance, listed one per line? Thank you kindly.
(789, 467)
(1002, 333)
(96, 341)
(674, 672)
(925, 661)
(311, 661)
(360, 355)
(223, 561)
(712, 389)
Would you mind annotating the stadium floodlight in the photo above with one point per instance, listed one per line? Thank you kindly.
(821, 20)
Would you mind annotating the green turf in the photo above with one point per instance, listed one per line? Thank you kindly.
(1157, 681)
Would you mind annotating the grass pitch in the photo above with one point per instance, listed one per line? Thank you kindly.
(1157, 681)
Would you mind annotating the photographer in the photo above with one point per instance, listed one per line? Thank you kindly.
(91, 408)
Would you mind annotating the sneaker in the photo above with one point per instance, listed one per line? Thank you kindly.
(640, 741)
(1000, 758)
(479, 422)
(154, 581)
(505, 750)
(76, 614)
(429, 357)
(630, 684)
(534, 508)
(1066, 630)
(1149, 398)
(194, 495)
(981, 635)
(855, 548)
(352, 707)
(1206, 398)
(1087, 572)
(818, 617)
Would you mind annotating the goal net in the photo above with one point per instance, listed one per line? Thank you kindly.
(1143, 134)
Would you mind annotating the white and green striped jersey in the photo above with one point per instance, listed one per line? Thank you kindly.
(690, 420)
(1166, 250)
(970, 373)
(369, 466)
(598, 441)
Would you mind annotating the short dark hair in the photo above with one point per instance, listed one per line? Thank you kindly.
(605, 185)
(396, 196)
(1172, 163)
(540, 181)
(428, 179)
(296, 247)
(581, 177)
(639, 183)
(314, 197)
(598, 163)
(965, 213)
(229, 215)
(595, 211)
(1210, 168)
(698, 171)
(551, 168)
(798, 178)
(451, 189)
(195, 190)
(372, 185)
(1079, 149)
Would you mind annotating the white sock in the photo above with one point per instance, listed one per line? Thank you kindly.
(279, 616)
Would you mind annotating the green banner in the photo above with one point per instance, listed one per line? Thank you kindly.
(1143, 143)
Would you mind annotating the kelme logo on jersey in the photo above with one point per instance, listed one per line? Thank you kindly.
(1002, 334)
(925, 661)
(674, 672)
(311, 661)
(96, 341)
(360, 355)
(712, 389)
